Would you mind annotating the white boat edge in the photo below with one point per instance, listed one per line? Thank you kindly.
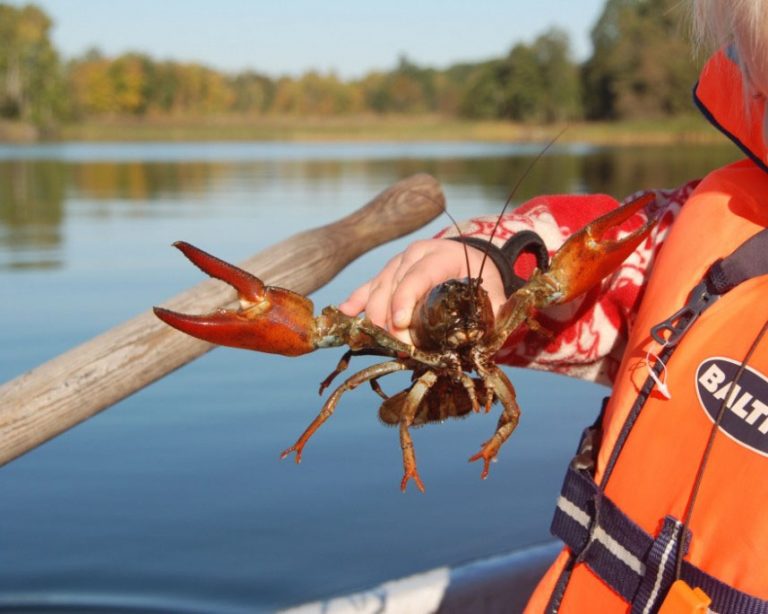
(497, 584)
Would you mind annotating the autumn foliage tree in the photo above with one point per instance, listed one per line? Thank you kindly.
(133, 84)
(641, 66)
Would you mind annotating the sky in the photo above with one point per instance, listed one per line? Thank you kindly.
(350, 37)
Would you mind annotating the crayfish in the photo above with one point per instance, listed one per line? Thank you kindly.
(454, 329)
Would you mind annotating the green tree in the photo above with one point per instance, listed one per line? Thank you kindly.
(253, 93)
(30, 74)
(451, 86)
(537, 82)
(407, 89)
(161, 88)
(523, 85)
(484, 95)
(641, 65)
(560, 80)
(375, 94)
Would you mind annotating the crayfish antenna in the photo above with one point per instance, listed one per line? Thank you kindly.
(466, 260)
(514, 189)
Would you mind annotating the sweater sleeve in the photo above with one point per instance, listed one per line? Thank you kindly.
(587, 335)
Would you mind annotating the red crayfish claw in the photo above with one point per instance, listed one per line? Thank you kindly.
(269, 319)
(588, 256)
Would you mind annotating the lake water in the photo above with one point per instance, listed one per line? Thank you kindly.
(176, 497)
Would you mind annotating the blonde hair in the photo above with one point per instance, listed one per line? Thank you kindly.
(740, 24)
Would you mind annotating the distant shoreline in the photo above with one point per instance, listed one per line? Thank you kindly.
(684, 129)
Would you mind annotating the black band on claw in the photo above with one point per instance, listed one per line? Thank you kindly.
(504, 257)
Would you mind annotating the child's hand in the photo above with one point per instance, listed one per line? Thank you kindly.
(389, 298)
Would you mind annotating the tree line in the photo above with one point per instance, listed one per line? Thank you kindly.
(641, 66)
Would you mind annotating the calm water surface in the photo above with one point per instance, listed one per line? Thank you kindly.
(176, 496)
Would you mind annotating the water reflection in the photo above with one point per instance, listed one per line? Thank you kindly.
(40, 188)
(622, 171)
(144, 181)
(31, 213)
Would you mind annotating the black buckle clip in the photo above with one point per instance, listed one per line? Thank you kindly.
(680, 321)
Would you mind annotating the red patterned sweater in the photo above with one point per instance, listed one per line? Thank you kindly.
(590, 332)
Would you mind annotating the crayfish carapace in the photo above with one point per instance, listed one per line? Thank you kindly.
(454, 328)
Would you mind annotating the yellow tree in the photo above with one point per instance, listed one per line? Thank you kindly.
(217, 96)
(320, 94)
(287, 97)
(91, 85)
(128, 74)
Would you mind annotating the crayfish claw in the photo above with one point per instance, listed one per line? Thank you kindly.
(270, 319)
(414, 475)
(486, 462)
(597, 229)
(588, 256)
(207, 327)
(294, 448)
(488, 452)
(249, 287)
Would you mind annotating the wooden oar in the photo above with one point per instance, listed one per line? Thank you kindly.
(72, 387)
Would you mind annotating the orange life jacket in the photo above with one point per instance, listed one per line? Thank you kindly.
(657, 454)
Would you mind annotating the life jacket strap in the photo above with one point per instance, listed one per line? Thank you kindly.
(748, 261)
(635, 564)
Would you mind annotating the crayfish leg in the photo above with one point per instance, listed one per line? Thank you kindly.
(343, 363)
(341, 366)
(415, 396)
(469, 386)
(500, 384)
(329, 406)
(537, 327)
(377, 389)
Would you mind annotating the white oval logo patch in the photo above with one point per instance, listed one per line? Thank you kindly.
(746, 415)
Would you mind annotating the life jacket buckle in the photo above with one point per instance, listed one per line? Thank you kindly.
(682, 599)
(679, 322)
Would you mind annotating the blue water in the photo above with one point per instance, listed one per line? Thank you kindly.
(176, 497)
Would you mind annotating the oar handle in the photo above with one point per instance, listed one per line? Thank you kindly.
(72, 387)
